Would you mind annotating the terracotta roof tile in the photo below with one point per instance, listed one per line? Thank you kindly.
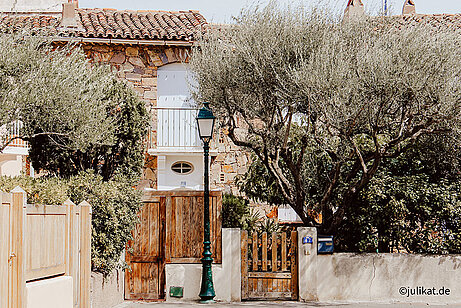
(438, 21)
(34, 22)
(163, 25)
(110, 23)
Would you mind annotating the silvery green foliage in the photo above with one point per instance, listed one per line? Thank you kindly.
(357, 92)
(54, 92)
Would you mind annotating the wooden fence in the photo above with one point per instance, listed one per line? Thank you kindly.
(44, 241)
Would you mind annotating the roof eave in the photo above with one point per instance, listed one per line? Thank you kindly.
(122, 41)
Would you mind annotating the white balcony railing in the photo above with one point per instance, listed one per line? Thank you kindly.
(176, 129)
(9, 133)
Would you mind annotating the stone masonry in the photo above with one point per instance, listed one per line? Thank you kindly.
(138, 66)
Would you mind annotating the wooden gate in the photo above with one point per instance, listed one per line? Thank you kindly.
(170, 231)
(146, 254)
(269, 266)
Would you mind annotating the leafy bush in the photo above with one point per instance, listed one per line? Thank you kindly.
(124, 155)
(115, 204)
(251, 221)
(269, 226)
(234, 211)
(413, 203)
(404, 213)
(237, 213)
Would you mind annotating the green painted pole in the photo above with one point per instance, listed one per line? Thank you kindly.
(207, 290)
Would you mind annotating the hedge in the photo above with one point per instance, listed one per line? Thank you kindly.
(115, 205)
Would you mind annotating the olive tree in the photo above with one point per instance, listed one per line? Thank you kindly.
(77, 116)
(54, 92)
(346, 95)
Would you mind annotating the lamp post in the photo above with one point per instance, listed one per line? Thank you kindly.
(205, 123)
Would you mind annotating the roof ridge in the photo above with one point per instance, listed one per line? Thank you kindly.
(433, 15)
(138, 11)
(104, 23)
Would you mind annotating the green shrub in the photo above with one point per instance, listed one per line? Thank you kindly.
(269, 225)
(234, 211)
(115, 204)
(237, 213)
(251, 221)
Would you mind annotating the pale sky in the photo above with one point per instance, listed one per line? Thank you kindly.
(220, 11)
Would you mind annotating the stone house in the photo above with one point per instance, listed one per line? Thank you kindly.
(409, 15)
(150, 50)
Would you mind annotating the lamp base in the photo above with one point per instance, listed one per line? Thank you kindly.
(208, 301)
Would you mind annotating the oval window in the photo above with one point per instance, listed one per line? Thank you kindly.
(182, 167)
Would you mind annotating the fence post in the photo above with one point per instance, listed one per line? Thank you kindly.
(70, 243)
(75, 250)
(70, 239)
(244, 263)
(5, 205)
(307, 265)
(85, 254)
(18, 248)
(294, 265)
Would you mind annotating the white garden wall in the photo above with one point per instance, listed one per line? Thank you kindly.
(50, 293)
(107, 291)
(376, 277)
(10, 164)
(226, 276)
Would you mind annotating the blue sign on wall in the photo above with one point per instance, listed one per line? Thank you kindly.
(307, 240)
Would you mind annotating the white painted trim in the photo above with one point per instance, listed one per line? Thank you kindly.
(15, 150)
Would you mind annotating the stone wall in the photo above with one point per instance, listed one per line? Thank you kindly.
(138, 66)
(230, 162)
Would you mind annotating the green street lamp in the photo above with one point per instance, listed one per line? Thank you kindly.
(205, 123)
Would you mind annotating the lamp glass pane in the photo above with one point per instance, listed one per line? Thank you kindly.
(205, 127)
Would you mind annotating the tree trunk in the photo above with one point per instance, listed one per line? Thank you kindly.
(351, 196)
(331, 226)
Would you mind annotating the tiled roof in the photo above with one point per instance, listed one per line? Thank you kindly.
(162, 25)
(29, 22)
(438, 21)
(110, 23)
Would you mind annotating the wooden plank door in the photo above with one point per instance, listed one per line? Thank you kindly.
(145, 254)
(269, 265)
(184, 227)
